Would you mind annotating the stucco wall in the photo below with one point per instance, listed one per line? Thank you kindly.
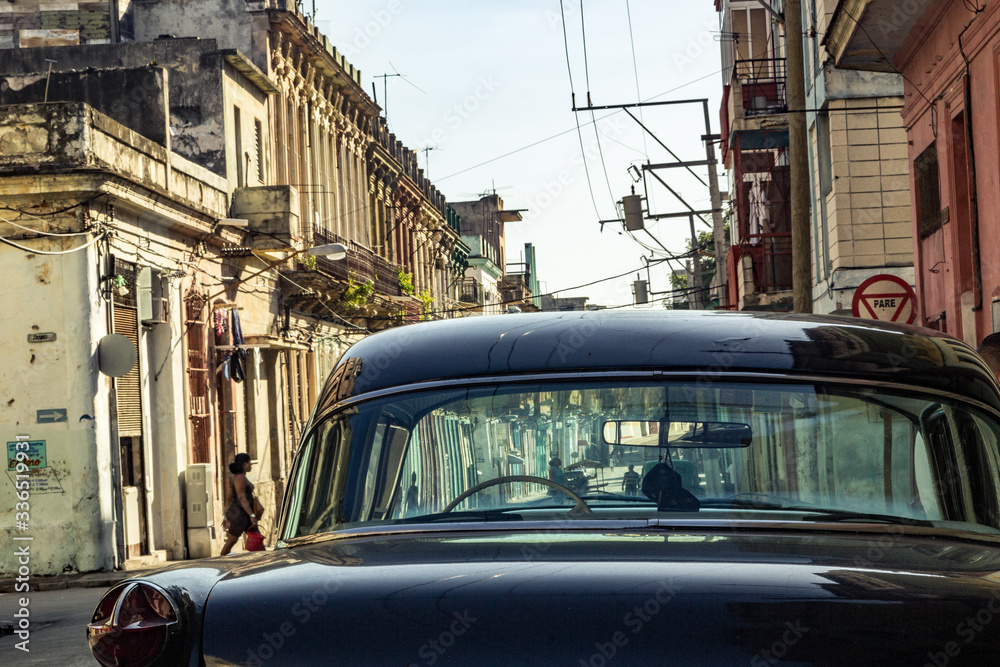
(69, 521)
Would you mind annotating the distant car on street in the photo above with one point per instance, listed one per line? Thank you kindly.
(824, 491)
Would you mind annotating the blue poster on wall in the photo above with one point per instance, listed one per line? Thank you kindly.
(31, 453)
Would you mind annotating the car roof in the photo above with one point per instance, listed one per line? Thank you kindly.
(713, 342)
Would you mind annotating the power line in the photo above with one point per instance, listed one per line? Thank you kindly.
(593, 117)
(52, 252)
(635, 74)
(40, 232)
(576, 117)
(467, 309)
(559, 134)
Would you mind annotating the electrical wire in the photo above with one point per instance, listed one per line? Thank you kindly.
(51, 252)
(334, 313)
(889, 63)
(638, 95)
(593, 117)
(559, 134)
(40, 232)
(467, 309)
(57, 211)
(576, 117)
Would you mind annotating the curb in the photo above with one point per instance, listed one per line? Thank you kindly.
(65, 581)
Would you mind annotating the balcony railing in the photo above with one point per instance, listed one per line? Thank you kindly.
(470, 291)
(360, 265)
(762, 83)
(771, 260)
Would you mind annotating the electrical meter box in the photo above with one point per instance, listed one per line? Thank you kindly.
(200, 497)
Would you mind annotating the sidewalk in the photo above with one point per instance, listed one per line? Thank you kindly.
(64, 581)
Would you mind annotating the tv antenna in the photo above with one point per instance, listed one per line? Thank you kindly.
(427, 161)
(385, 87)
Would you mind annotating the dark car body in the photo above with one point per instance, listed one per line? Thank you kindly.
(820, 556)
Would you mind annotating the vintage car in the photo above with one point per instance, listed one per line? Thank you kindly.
(840, 504)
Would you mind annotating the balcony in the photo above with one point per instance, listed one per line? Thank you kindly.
(360, 265)
(761, 83)
(470, 292)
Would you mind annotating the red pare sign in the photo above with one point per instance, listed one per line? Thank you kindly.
(887, 298)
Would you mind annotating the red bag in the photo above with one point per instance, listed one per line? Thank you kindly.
(255, 541)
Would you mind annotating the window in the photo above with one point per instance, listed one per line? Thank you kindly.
(238, 131)
(812, 450)
(259, 147)
(925, 169)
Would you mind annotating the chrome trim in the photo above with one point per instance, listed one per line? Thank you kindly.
(126, 588)
(643, 525)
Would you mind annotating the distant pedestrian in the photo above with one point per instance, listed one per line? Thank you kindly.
(245, 510)
(630, 481)
(412, 497)
(989, 350)
(556, 473)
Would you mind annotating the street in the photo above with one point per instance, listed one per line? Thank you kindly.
(57, 630)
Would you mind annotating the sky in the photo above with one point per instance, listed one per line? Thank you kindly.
(486, 86)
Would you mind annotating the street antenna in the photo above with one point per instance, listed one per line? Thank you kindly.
(427, 162)
(385, 87)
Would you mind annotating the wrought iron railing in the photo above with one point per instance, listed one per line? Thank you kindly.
(360, 265)
(470, 291)
(762, 83)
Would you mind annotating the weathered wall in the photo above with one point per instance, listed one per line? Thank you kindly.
(251, 167)
(33, 23)
(69, 504)
(136, 98)
(194, 83)
(936, 114)
(226, 21)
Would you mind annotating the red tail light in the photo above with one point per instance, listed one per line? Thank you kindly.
(132, 625)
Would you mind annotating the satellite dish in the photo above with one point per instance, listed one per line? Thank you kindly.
(116, 355)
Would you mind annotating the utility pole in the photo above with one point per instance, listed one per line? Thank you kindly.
(798, 160)
(696, 297)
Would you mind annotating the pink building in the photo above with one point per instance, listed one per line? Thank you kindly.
(949, 53)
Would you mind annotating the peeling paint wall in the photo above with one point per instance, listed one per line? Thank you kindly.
(136, 98)
(72, 516)
(194, 85)
(70, 503)
(252, 156)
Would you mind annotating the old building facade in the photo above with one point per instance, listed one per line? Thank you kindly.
(858, 190)
(947, 54)
(181, 169)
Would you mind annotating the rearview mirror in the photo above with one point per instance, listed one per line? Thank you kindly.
(678, 434)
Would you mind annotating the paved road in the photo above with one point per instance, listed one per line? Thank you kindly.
(58, 619)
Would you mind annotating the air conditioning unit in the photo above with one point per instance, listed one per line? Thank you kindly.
(151, 298)
(200, 496)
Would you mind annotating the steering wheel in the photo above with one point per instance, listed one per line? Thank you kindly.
(581, 505)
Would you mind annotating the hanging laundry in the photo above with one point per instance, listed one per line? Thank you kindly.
(220, 322)
(237, 329)
(237, 365)
(237, 359)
